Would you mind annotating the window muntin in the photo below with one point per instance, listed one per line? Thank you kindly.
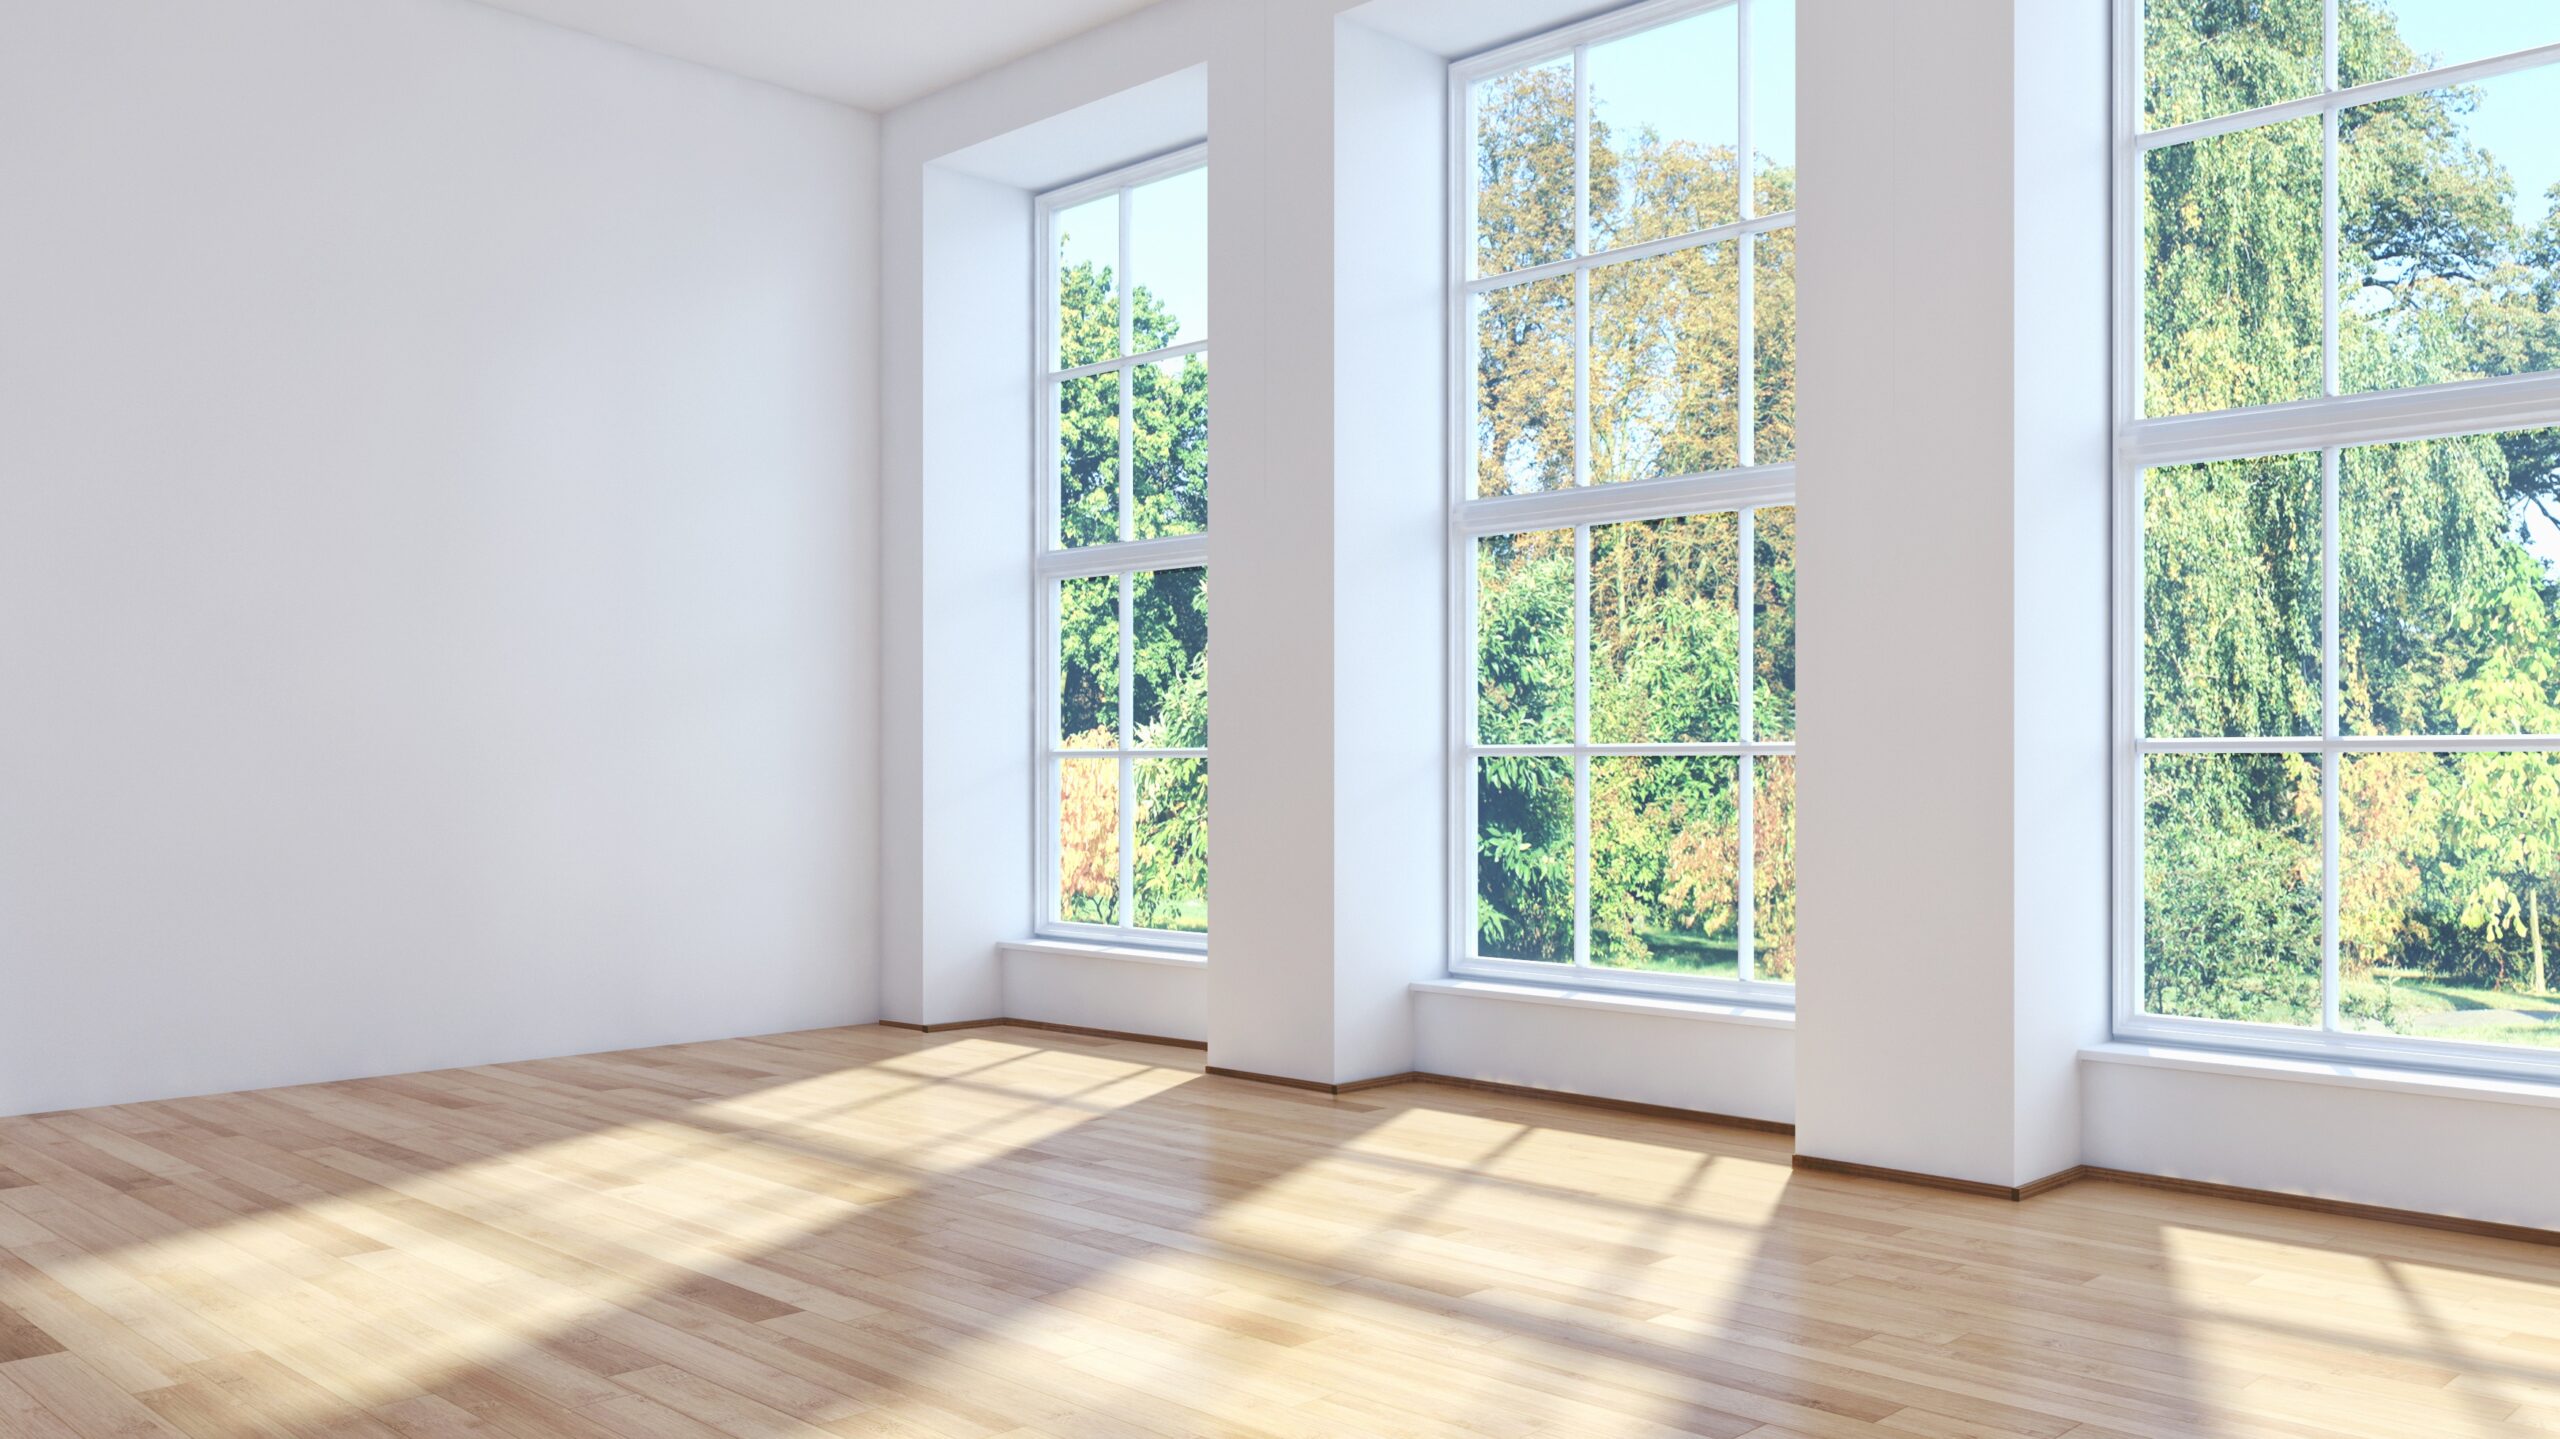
(2339, 520)
(1121, 568)
(1624, 581)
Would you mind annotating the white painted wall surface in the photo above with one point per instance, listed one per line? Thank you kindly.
(2470, 1156)
(1748, 1071)
(437, 534)
(1166, 999)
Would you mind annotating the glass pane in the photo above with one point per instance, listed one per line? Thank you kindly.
(1524, 638)
(1089, 663)
(2449, 895)
(2231, 289)
(1169, 261)
(1089, 841)
(1666, 863)
(2449, 586)
(2449, 250)
(2231, 598)
(1666, 119)
(1773, 339)
(1524, 388)
(1773, 104)
(1084, 269)
(1524, 858)
(1169, 609)
(1171, 882)
(1773, 623)
(1524, 167)
(2379, 43)
(1773, 868)
(1089, 461)
(2203, 58)
(1666, 631)
(1664, 334)
(1169, 480)
(2231, 887)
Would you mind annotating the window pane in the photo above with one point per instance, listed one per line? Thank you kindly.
(1666, 631)
(2375, 43)
(1773, 339)
(1664, 333)
(1084, 270)
(2232, 290)
(1089, 841)
(1089, 461)
(1524, 638)
(1169, 261)
(2449, 586)
(1524, 388)
(2449, 874)
(2231, 887)
(1773, 104)
(1773, 868)
(1169, 609)
(2449, 254)
(2203, 58)
(1524, 167)
(1524, 858)
(1666, 863)
(1089, 663)
(1171, 882)
(1773, 624)
(1666, 118)
(2231, 598)
(1169, 483)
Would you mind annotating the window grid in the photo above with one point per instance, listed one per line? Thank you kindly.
(1123, 559)
(2329, 425)
(1741, 491)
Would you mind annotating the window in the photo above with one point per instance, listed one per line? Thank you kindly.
(1123, 555)
(2338, 493)
(1623, 806)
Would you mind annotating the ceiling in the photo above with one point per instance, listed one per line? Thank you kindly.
(876, 54)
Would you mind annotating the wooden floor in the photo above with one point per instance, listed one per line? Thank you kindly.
(1005, 1232)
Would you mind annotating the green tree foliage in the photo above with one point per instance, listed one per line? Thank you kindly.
(1168, 633)
(2449, 620)
(1666, 398)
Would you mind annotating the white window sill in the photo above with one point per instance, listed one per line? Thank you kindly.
(1661, 1006)
(1133, 954)
(2437, 1084)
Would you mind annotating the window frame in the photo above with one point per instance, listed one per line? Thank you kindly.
(1740, 490)
(2328, 425)
(1053, 564)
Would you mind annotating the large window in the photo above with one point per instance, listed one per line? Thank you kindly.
(2339, 520)
(1623, 515)
(1122, 555)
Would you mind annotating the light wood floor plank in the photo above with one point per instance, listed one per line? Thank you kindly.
(1000, 1234)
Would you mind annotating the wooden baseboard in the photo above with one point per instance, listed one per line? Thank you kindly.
(1052, 1028)
(1316, 1085)
(2013, 1193)
(1616, 1106)
(2342, 1208)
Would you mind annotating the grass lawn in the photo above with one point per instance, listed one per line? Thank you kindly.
(2427, 1006)
(1675, 953)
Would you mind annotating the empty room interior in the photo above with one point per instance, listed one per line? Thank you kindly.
(606, 720)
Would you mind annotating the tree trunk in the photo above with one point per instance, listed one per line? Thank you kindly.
(2533, 916)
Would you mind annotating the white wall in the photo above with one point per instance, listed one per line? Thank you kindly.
(1159, 996)
(2478, 1149)
(1605, 1046)
(437, 490)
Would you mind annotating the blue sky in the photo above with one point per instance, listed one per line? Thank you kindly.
(1168, 243)
(2518, 120)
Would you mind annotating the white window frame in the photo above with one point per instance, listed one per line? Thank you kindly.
(2329, 426)
(1740, 491)
(1125, 559)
